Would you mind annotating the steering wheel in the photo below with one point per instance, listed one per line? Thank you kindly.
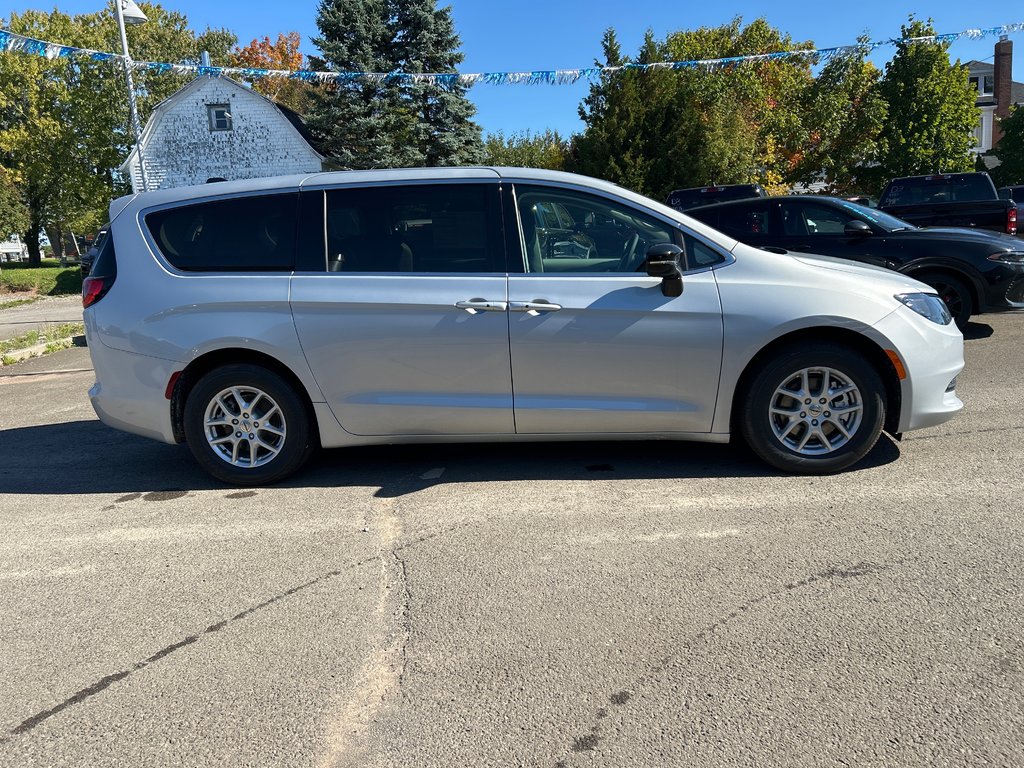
(629, 253)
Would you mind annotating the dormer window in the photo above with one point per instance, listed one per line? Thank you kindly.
(220, 116)
(983, 84)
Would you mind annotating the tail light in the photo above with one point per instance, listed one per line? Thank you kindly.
(1011, 220)
(94, 289)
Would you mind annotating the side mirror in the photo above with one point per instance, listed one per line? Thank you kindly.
(856, 228)
(663, 261)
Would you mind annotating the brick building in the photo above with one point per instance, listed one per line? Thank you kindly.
(997, 92)
(216, 127)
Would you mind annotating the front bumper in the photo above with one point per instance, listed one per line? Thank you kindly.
(933, 356)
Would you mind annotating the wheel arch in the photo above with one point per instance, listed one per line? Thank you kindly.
(870, 349)
(213, 359)
(965, 275)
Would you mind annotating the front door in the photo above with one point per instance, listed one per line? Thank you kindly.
(812, 227)
(596, 347)
(406, 328)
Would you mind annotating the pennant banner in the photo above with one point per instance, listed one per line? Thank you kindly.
(9, 41)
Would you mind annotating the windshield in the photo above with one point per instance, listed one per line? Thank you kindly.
(875, 216)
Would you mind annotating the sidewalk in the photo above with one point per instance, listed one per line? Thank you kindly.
(49, 310)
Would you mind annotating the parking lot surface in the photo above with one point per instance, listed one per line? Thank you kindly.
(629, 604)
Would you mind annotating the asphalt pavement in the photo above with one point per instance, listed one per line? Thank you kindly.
(46, 311)
(630, 604)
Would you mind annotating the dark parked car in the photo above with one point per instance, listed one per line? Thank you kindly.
(87, 258)
(950, 200)
(1015, 193)
(684, 199)
(973, 271)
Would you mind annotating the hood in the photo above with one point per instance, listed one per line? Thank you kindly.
(897, 279)
(961, 234)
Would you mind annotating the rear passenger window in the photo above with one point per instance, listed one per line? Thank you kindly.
(244, 234)
(743, 222)
(415, 228)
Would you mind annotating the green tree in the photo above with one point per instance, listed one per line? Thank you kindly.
(393, 122)
(426, 41)
(660, 129)
(13, 213)
(1010, 150)
(527, 150)
(64, 122)
(931, 111)
(843, 114)
(361, 123)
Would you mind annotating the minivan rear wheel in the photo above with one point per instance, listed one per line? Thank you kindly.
(246, 425)
(817, 409)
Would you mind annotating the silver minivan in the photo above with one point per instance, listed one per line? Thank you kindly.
(257, 320)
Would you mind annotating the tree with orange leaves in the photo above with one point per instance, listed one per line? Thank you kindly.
(282, 53)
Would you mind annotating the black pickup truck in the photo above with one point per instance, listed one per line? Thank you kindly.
(950, 200)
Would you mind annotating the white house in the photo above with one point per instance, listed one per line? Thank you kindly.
(997, 92)
(216, 127)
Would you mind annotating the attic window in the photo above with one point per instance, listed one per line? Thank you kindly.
(220, 116)
(983, 84)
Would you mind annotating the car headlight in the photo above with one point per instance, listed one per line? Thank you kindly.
(927, 305)
(1011, 258)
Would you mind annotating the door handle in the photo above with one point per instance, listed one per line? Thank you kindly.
(482, 305)
(534, 307)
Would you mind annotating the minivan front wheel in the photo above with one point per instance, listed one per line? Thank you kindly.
(246, 425)
(818, 409)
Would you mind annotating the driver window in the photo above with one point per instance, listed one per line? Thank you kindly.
(574, 232)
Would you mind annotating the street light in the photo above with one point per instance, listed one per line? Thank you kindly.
(129, 13)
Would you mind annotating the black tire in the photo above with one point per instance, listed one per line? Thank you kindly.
(954, 292)
(761, 427)
(276, 448)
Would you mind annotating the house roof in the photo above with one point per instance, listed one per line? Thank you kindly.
(161, 109)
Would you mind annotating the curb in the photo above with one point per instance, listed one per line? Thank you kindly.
(39, 350)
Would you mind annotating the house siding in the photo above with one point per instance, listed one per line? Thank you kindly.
(180, 149)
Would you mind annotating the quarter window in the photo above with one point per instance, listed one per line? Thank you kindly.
(415, 228)
(247, 234)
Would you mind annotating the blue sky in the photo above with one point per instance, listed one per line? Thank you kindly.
(561, 34)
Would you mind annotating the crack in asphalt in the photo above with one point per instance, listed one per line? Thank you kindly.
(588, 742)
(404, 619)
(105, 682)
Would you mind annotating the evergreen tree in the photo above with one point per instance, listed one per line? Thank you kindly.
(398, 121)
(1010, 151)
(932, 115)
(443, 131)
(359, 121)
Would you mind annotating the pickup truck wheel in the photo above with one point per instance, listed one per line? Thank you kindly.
(952, 291)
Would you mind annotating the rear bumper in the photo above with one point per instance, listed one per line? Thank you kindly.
(129, 390)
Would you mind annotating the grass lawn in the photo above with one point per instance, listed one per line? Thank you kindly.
(51, 279)
(56, 337)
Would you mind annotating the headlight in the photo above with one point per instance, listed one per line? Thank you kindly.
(927, 305)
(1011, 258)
